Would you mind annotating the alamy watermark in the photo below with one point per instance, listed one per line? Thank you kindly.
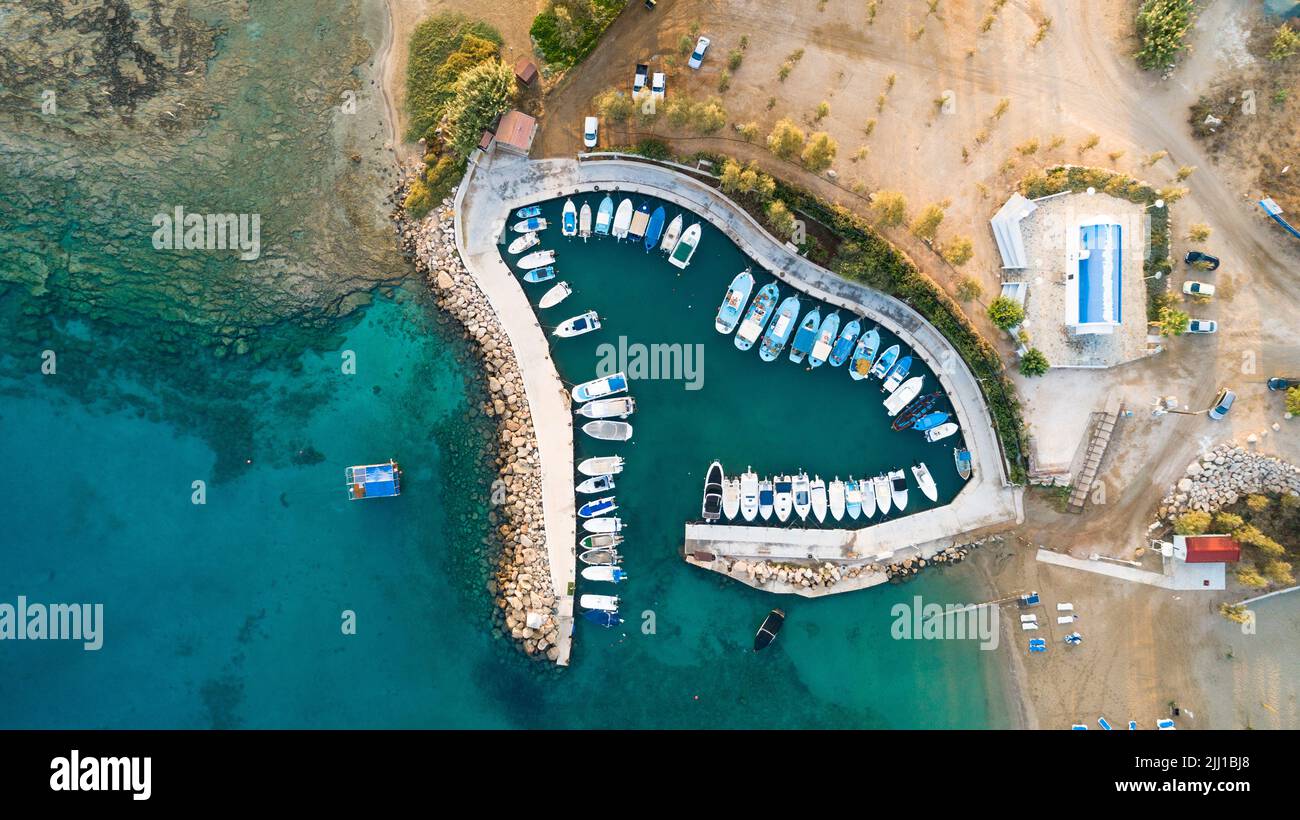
(920, 621)
(179, 230)
(53, 622)
(659, 362)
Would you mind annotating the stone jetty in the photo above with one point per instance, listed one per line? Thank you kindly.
(1226, 474)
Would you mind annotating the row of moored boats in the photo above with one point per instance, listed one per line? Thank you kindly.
(749, 498)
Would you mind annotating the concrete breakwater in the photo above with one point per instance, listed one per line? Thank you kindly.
(1223, 476)
(525, 601)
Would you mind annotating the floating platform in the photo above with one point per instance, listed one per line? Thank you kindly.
(374, 481)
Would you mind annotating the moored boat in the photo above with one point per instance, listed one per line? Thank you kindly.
(853, 498)
(577, 325)
(880, 486)
(733, 302)
(537, 275)
(914, 410)
(802, 502)
(836, 498)
(596, 484)
(817, 498)
(529, 212)
(711, 510)
(522, 243)
(537, 259)
(825, 340)
(608, 430)
(599, 506)
(886, 361)
(731, 498)
(749, 494)
(783, 497)
(929, 420)
(767, 631)
(622, 219)
(584, 221)
(569, 219)
(609, 603)
(805, 336)
(529, 225)
(601, 541)
(601, 465)
(780, 329)
(555, 295)
(373, 480)
(600, 388)
(896, 401)
(655, 229)
(760, 311)
(609, 573)
(961, 456)
(620, 408)
(604, 216)
(598, 556)
(603, 525)
(602, 618)
(640, 221)
(670, 236)
(941, 432)
(685, 247)
(925, 481)
(897, 373)
(766, 497)
(898, 489)
(867, 489)
(844, 344)
(864, 353)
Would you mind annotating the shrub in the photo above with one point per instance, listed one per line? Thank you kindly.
(786, 139)
(890, 208)
(969, 289)
(440, 49)
(1251, 536)
(734, 59)
(567, 31)
(820, 152)
(1034, 363)
(482, 94)
(1226, 522)
(653, 148)
(748, 131)
(926, 224)
(1293, 401)
(1198, 232)
(615, 106)
(1279, 572)
(1173, 322)
(1006, 312)
(1089, 143)
(746, 179)
(419, 200)
(1194, 522)
(708, 116)
(1249, 576)
(958, 250)
(1258, 503)
(685, 45)
(780, 219)
(822, 112)
(724, 81)
(1285, 44)
(1161, 27)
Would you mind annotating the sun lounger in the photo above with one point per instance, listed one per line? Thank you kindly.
(1165, 723)
(1065, 607)
(1026, 619)
(1066, 619)
(1132, 724)
(1079, 727)
(1028, 625)
(1037, 648)
(1101, 721)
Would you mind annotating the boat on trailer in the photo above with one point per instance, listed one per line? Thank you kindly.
(685, 248)
(961, 456)
(555, 295)
(620, 408)
(925, 481)
(898, 489)
(584, 221)
(886, 361)
(569, 219)
(733, 302)
(880, 486)
(601, 465)
(864, 353)
(768, 630)
(941, 432)
(604, 216)
(600, 388)
(712, 507)
(537, 259)
(670, 236)
(522, 243)
(655, 229)
(577, 325)
(596, 484)
(806, 335)
(780, 329)
(608, 430)
(756, 318)
(622, 219)
(373, 480)
(825, 340)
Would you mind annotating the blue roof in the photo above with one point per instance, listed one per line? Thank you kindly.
(1104, 243)
(373, 481)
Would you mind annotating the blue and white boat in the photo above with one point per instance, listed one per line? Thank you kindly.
(577, 325)
(766, 498)
(806, 335)
(540, 274)
(598, 507)
(929, 420)
(569, 219)
(756, 318)
(897, 373)
(780, 329)
(604, 216)
(529, 212)
(603, 618)
(685, 247)
(864, 354)
(655, 229)
(530, 225)
(853, 498)
(600, 388)
(961, 456)
(604, 572)
(844, 344)
(608, 603)
(886, 361)
(734, 302)
(825, 340)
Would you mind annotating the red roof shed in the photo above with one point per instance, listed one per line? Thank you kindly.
(1212, 549)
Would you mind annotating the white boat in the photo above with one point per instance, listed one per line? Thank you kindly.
(600, 556)
(603, 524)
(577, 325)
(731, 498)
(853, 498)
(602, 465)
(802, 503)
(866, 488)
(817, 495)
(749, 494)
(604, 215)
(897, 400)
(608, 430)
(598, 507)
(605, 541)
(766, 497)
(622, 219)
(880, 485)
(536, 259)
(685, 247)
(600, 388)
(522, 243)
(925, 481)
(599, 484)
(555, 295)
(898, 489)
(670, 236)
(941, 432)
(604, 572)
(605, 603)
(783, 497)
(836, 492)
(529, 225)
(569, 219)
(621, 408)
(584, 222)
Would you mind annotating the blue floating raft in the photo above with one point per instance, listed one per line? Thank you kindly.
(374, 481)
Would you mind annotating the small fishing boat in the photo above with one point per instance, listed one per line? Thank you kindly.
(898, 489)
(867, 489)
(601, 465)
(864, 354)
(577, 325)
(880, 486)
(900, 398)
(604, 216)
(529, 212)
(584, 221)
(604, 541)
(941, 432)
(749, 494)
(620, 408)
(600, 506)
(768, 630)
(731, 498)
(603, 525)
(606, 572)
(766, 496)
(961, 456)
(540, 274)
(608, 603)
(914, 410)
(655, 229)
(529, 225)
(886, 361)
(608, 430)
(670, 236)
(640, 221)
(598, 557)
(602, 618)
(930, 420)
(537, 259)
(600, 388)
(802, 502)
(817, 497)
(806, 335)
(925, 481)
(622, 219)
(760, 311)
(853, 499)
(844, 344)
(836, 498)
(897, 373)
(825, 340)
(522, 243)
(712, 508)
(783, 498)
(780, 329)
(569, 219)
(598, 484)
(555, 295)
(685, 247)
(733, 302)
(373, 480)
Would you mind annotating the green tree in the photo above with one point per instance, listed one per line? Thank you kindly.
(890, 207)
(926, 225)
(819, 152)
(958, 250)
(780, 219)
(483, 93)
(1034, 363)
(1285, 44)
(1006, 312)
(786, 139)
(1161, 27)
(1194, 522)
(969, 289)
(615, 106)
(1173, 322)
(708, 116)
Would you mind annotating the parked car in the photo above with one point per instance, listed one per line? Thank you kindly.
(590, 127)
(1194, 288)
(657, 85)
(697, 57)
(1283, 383)
(1222, 404)
(1202, 326)
(639, 78)
(1206, 261)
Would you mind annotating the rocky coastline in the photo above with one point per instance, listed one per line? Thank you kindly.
(1223, 476)
(826, 574)
(521, 586)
